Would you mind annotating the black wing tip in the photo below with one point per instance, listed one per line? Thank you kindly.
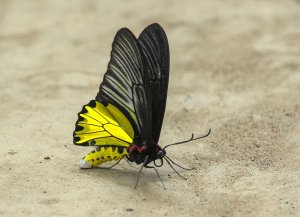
(156, 27)
(155, 31)
(125, 32)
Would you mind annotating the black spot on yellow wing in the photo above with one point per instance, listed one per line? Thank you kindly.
(84, 110)
(79, 128)
(80, 119)
(120, 150)
(92, 104)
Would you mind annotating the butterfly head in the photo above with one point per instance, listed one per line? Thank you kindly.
(161, 154)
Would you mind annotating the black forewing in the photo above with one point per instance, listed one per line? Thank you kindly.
(155, 49)
(125, 84)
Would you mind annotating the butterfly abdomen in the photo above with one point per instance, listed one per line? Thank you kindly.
(102, 155)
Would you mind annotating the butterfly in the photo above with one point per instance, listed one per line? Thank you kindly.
(125, 118)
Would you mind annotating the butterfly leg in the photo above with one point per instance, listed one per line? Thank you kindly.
(160, 178)
(112, 165)
(144, 164)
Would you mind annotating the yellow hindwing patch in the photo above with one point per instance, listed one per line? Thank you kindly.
(102, 126)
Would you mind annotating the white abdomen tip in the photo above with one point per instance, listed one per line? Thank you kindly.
(83, 164)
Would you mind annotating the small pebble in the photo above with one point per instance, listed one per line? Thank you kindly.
(12, 152)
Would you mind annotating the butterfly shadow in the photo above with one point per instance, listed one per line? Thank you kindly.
(126, 175)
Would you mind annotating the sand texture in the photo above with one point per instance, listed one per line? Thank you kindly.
(235, 68)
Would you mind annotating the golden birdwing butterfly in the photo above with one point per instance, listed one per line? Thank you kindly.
(125, 118)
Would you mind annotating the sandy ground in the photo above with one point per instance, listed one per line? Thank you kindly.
(234, 67)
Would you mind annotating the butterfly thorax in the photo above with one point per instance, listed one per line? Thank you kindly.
(138, 154)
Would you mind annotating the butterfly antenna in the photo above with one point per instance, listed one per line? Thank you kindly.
(189, 140)
(137, 181)
(174, 169)
(178, 164)
(160, 178)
